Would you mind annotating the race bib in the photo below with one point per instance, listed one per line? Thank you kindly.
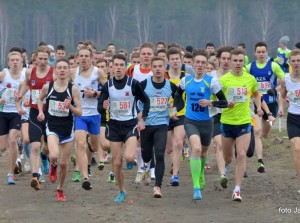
(158, 104)
(35, 94)
(58, 109)
(9, 95)
(294, 96)
(120, 107)
(263, 87)
(239, 94)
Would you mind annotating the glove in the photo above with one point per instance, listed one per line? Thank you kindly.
(272, 92)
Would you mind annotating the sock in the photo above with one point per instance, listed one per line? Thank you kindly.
(147, 166)
(40, 172)
(203, 162)
(139, 159)
(43, 156)
(195, 166)
(237, 188)
(18, 160)
(36, 175)
(26, 149)
(260, 161)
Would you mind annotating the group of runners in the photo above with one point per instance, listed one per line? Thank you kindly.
(152, 102)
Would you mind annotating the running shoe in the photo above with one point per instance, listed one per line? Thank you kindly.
(207, 167)
(147, 177)
(18, 167)
(10, 179)
(60, 195)
(236, 196)
(27, 167)
(86, 184)
(73, 160)
(174, 181)
(90, 173)
(261, 167)
(197, 194)
(152, 173)
(42, 179)
(45, 164)
(53, 173)
(111, 178)
(138, 178)
(156, 192)
(223, 181)
(35, 183)
(130, 165)
(76, 176)
(101, 166)
(121, 197)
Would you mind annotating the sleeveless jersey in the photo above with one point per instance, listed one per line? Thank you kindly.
(196, 91)
(122, 104)
(293, 94)
(89, 105)
(36, 85)
(266, 80)
(59, 118)
(138, 75)
(159, 103)
(8, 89)
(282, 59)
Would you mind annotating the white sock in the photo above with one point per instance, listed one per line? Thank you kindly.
(139, 159)
(152, 171)
(18, 160)
(147, 166)
(40, 172)
(237, 189)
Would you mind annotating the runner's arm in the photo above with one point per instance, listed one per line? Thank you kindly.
(222, 102)
(141, 95)
(43, 94)
(76, 110)
(24, 86)
(103, 96)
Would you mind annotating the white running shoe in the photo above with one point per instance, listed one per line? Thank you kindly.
(139, 178)
(236, 196)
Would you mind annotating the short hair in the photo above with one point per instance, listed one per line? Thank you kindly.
(260, 44)
(43, 49)
(156, 58)
(108, 54)
(86, 48)
(71, 56)
(110, 44)
(162, 43)
(237, 51)
(147, 45)
(60, 47)
(88, 42)
(188, 55)
(189, 49)
(42, 43)
(118, 56)
(209, 44)
(224, 49)
(123, 51)
(134, 55)
(176, 45)
(242, 44)
(80, 42)
(101, 60)
(16, 49)
(12, 53)
(200, 52)
(24, 50)
(295, 52)
(62, 60)
(161, 51)
(172, 51)
(211, 63)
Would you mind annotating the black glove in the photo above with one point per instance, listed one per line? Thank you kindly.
(272, 92)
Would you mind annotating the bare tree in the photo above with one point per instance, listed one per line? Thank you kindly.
(113, 18)
(3, 32)
(138, 17)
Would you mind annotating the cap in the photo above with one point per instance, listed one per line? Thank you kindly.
(50, 47)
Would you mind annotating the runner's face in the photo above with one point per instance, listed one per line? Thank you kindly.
(225, 60)
(174, 60)
(163, 55)
(146, 55)
(200, 63)
(62, 70)
(119, 68)
(295, 63)
(135, 61)
(261, 53)
(111, 48)
(237, 63)
(188, 61)
(210, 49)
(102, 65)
(158, 68)
(42, 59)
(84, 58)
(60, 54)
(209, 68)
(14, 62)
(160, 46)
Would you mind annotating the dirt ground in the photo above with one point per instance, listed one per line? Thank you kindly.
(268, 197)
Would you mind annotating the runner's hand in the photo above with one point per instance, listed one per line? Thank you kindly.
(141, 125)
(21, 112)
(41, 117)
(2, 101)
(106, 104)
(280, 112)
(204, 103)
(67, 102)
(231, 104)
(25, 102)
(260, 112)
(88, 92)
(271, 119)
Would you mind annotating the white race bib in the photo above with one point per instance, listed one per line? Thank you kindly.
(58, 109)
(239, 94)
(120, 107)
(263, 87)
(158, 104)
(9, 95)
(35, 94)
(294, 96)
